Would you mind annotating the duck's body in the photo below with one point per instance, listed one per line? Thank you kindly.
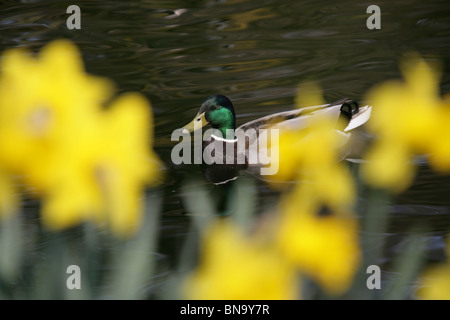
(230, 154)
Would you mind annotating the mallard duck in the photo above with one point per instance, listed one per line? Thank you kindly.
(218, 112)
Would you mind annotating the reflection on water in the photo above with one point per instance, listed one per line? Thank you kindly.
(255, 52)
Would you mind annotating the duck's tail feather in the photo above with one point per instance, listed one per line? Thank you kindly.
(359, 117)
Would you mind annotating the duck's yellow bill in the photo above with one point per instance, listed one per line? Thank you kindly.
(198, 123)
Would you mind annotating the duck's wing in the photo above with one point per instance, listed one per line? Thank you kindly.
(276, 118)
(359, 118)
(353, 116)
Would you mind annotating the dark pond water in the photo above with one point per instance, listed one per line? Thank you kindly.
(255, 52)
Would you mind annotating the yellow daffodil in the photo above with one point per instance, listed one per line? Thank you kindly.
(312, 156)
(323, 245)
(87, 163)
(44, 101)
(408, 119)
(389, 166)
(107, 171)
(236, 267)
(298, 149)
(436, 284)
(439, 154)
(8, 199)
(436, 281)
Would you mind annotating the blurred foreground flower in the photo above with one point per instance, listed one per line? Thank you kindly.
(317, 231)
(234, 267)
(311, 157)
(410, 119)
(86, 163)
(436, 281)
(322, 244)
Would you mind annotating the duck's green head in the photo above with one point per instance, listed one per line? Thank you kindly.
(217, 111)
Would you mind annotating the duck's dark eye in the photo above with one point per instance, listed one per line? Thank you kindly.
(216, 107)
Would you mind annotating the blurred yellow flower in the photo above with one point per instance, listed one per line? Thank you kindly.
(107, 171)
(297, 147)
(8, 200)
(311, 156)
(439, 154)
(388, 166)
(87, 163)
(436, 284)
(436, 281)
(235, 267)
(409, 119)
(44, 102)
(326, 248)
(322, 243)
